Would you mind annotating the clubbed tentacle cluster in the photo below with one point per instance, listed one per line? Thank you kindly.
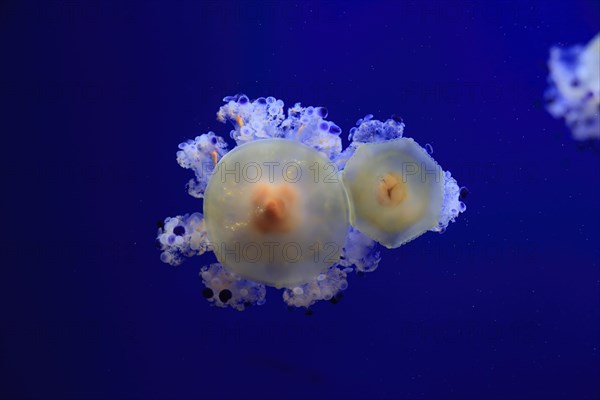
(226, 289)
(264, 118)
(201, 156)
(181, 236)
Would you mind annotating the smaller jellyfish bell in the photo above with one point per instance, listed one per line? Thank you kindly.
(395, 190)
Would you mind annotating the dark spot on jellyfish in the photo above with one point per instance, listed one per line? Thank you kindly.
(309, 111)
(225, 295)
(308, 312)
(334, 129)
(171, 239)
(360, 274)
(207, 293)
(213, 140)
(322, 112)
(160, 224)
(333, 300)
(575, 82)
(179, 230)
(323, 126)
(464, 193)
(589, 121)
(397, 118)
(158, 244)
(261, 100)
(243, 99)
(247, 304)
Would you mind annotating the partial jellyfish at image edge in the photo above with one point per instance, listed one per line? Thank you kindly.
(573, 92)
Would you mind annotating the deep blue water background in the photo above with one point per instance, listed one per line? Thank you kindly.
(97, 95)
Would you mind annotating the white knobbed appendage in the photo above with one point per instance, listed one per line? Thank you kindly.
(226, 289)
(201, 156)
(451, 206)
(360, 251)
(322, 287)
(264, 118)
(369, 130)
(182, 236)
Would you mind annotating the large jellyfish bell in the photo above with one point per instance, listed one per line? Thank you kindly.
(275, 212)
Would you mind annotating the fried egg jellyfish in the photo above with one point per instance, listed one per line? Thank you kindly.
(287, 208)
(574, 88)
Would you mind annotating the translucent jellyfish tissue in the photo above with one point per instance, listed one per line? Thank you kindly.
(574, 88)
(287, 208)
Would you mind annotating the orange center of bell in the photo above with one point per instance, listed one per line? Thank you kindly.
(275, 208)
(391, 190)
